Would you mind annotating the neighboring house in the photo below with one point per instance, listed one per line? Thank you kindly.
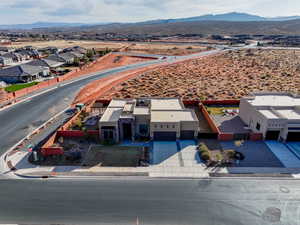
(68, 57)
(6, 49)
(77, 54)
(25, 54)
(163, 119)
(22, 73)
(52, 62)
(77, 49)
(49, 50)
(16, 57)
(275, 115)
(4, 61)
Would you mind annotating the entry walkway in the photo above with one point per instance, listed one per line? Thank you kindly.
(287, 158)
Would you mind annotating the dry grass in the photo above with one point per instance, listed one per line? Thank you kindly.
(227, 76)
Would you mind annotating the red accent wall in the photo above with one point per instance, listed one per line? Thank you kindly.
(221, 102)
(256, 137)
(225, 137)
(52, 151)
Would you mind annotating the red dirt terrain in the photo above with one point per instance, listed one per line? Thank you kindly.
(227, 76)
(111, 61)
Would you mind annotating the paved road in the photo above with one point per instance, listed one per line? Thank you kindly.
(19, 120)
(109, 201)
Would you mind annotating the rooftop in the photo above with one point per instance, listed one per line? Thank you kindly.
(111, 115)
(269, 114)
(173, 116)
(141, 111)
(166, 104)
(275, 99)
(290, 114)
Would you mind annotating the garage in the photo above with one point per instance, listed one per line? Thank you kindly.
(187, 135)
(293, 136)
(164, 136)
(272, 135)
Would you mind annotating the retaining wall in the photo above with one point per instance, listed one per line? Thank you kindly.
(209, 120)
(75, 73)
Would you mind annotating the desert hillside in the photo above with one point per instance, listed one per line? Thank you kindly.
(228, 76)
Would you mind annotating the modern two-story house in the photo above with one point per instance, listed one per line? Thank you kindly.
(275, 115)
(162, 119)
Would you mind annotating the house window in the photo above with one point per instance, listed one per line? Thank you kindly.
(173, 126)
(143, 129)
(167, 126)
(161, 126)
(258, 126)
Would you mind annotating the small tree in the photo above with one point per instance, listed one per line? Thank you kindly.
(76, 61)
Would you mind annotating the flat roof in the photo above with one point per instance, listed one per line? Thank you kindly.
(289, 114)
(274, 100)
(141, 111)
(268, 114)
(166, 104)
(117, 103)
(111, 115)
(173, 116)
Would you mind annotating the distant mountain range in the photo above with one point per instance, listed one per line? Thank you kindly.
(39, 25)
(229, 17)
(232, 17)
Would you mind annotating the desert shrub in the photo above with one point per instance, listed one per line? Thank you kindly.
(219, 157)
(205, 156)
(230, 154)
(202, 147)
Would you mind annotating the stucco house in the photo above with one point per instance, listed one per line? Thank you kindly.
(161, 119)
(22, 73)
(275, 115)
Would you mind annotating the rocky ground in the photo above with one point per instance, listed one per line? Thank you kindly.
(228, 76)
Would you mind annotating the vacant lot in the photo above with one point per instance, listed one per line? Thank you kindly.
(227, 76)
(166, 49)
(65, 44)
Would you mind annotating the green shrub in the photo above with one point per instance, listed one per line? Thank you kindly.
(230, 154)
(219, 157)
(205, 156)
(203, 148)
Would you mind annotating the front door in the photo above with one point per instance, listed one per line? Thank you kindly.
(127, 131)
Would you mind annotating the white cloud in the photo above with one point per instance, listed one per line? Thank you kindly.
(20, 11)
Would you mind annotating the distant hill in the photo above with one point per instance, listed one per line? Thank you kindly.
(233, 17)
(38, 25)
(227, 17)
(289, 27)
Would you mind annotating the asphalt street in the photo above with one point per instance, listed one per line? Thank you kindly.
(124, 201)
(19, 120)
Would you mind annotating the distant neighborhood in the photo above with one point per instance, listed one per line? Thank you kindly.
(29, 64)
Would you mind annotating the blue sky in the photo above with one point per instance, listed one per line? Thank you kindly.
(91, 11)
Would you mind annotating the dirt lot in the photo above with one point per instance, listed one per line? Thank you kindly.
(151, 48)
(166, 49)
(106, 63)
(65, 44)
(227, 76)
